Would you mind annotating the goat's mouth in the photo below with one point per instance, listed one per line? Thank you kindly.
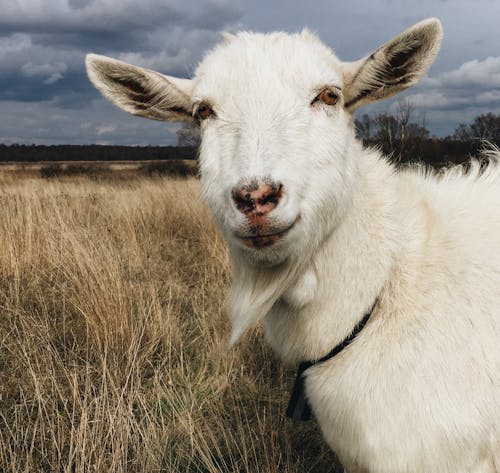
(261, 239)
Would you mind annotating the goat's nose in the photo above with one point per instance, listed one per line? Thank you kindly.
(257, 198)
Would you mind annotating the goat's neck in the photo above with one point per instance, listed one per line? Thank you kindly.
(346, 274)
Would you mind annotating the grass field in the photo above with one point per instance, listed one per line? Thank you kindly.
(113, 332)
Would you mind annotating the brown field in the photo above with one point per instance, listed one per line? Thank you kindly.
(113, 332)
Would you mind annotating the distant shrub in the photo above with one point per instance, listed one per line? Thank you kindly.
(172, 167)
(60, 170)
(51, 170)
(102, 170)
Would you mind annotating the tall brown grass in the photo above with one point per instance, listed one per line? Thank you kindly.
(113, 333)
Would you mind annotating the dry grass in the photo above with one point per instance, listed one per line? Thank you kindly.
(113, 339)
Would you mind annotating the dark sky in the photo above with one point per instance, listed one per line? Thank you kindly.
(45, 96)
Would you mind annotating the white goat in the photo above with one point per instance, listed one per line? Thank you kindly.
(319, 228)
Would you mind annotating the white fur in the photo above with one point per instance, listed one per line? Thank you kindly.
(419, 388)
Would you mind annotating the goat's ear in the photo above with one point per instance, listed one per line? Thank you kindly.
(141, 91)
(395, 66)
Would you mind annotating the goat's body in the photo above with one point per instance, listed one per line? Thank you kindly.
(319, 228)
(419, 389)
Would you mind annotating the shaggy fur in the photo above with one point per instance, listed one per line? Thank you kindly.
(419, 388)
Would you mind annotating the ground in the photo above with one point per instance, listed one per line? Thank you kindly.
(113, 335)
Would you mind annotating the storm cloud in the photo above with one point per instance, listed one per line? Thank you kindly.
(45, 95)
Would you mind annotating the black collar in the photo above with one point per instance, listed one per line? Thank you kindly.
(298, 406)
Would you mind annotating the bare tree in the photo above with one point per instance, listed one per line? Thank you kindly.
(484, 127)
(387, 133)
(399, 135)
(364, 128)
(405, 110)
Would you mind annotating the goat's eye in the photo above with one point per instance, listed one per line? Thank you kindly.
(204, 111)
(327, 96)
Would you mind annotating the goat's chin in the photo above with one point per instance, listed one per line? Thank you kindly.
(263, 253)
(270, 256)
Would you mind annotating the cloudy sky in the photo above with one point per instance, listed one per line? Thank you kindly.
(45, 97)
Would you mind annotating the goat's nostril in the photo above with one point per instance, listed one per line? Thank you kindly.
(257, 198)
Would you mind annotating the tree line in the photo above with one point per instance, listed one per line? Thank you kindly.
(403, 136)
(32, 153)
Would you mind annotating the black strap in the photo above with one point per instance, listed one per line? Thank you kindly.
(298, 407)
